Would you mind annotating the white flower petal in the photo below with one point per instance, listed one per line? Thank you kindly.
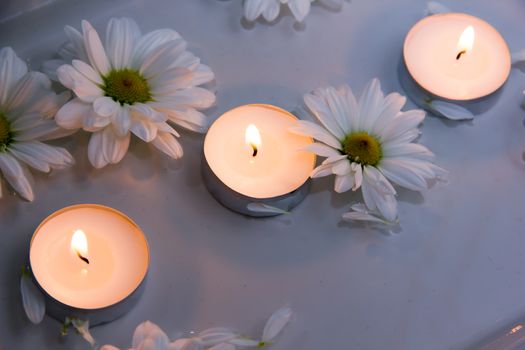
(341, 110)
(353, 108)
(32, 299)
(343, 183)
(299, 8)
(77, 43)
(334, 158)
(45, 102)
(30, 160)
(30, 88)
(94, 122)
(402, 175)
(94, 49)
(202, 75)
(254, 8)
(16, 175)
(33, 127)
(368, 217)
(391, 108)
(321, 170)
(35, 153)
(187, 60)
(158, 60)
(272, 10)
(402, 123)
(84, 88)
(377, 193)
(358, 175)
(318, 106)
(41, 130)
(149, 43)
(195, 97)
(105, 106)
(122, 121)
(113, 146)
(215, 336)
(87, 71)
(12, 69)
(148, 333)
(412, 150)
(96, 151)
(341, 167)
(306, 128)
(165, 127)
(145, 111)
(72, 114)
(168, 144)
(121, 35)
(82, 327)
(173, 79)
(377, 180)
(144, 129)
(321, 150)
(186, 117)
(276, 323)
(370, 105)
(451, 110)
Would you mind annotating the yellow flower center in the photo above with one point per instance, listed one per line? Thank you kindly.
(362, 148)
(6, 136)
(126, 86)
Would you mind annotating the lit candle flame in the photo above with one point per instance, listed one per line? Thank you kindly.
(79, 245)
(253, 138)
(466, 41)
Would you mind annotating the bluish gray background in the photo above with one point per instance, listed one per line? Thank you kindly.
(453, 275)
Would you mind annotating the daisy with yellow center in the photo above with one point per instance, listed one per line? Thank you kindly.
(27, 107)
(132, 84)
(368, 144)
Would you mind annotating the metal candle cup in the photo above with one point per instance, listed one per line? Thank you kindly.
(90, 261)
(252, 161)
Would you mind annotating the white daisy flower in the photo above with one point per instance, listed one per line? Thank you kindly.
(367, 144)
(270, 9)
(27, 107)
(132, 83)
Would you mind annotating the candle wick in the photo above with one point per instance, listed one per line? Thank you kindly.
(254, 151)
(83, 258)
(461, 53)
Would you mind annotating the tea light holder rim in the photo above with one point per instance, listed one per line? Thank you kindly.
(100, 315)
(457, 100)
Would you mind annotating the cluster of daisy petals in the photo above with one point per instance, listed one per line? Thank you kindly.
(270, 9)
(132, 84)
(368, 145)
(150, 336)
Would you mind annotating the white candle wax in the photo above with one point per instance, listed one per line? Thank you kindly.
(431, 52)
(89, 256)
(278, 166)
